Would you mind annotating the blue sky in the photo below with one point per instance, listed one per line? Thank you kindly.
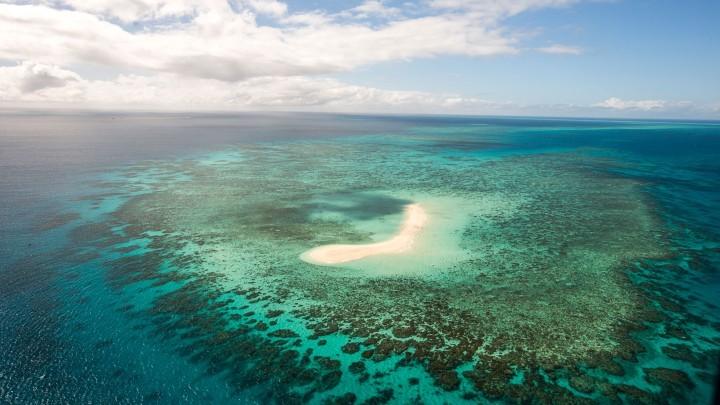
(538, 57)
(644, 49)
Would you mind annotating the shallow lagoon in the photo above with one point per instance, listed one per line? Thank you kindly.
(562, 260)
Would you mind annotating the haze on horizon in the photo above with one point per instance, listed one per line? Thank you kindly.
(625, 58)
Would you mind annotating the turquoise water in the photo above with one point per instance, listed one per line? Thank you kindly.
(156, 258)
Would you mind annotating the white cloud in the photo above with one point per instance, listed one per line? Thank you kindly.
(667, 107)
(558, 49)
(135, 10)
(235, 54)
(615, 103)
(494, 9)
(272, 8)
(226, 43)
(38, 84)
(35, 77)
(313, 18)
(373, 8)
(172, 92)
(35, 81)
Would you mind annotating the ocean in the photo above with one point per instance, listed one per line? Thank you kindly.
(156, 258)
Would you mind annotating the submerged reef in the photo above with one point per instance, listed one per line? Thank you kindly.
(549, 298)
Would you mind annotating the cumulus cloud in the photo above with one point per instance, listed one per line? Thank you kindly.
(227, 54)
(52, 84)
(192, 38)
(33, 80)
(558, 49)
(615, 103)
(493, 9)
(129, 11)
(644, 107)
(216, 54)
(268, 7)
(34, 77)
(49, 85)
(373, 8)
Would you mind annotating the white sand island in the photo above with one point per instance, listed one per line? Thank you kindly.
(415, 218)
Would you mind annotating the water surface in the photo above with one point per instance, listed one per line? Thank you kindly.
(156, 258)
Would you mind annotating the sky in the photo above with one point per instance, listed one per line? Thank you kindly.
(594, 58)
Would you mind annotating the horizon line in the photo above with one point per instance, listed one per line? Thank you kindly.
(131, 111)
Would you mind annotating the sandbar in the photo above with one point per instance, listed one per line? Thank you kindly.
(415, 219)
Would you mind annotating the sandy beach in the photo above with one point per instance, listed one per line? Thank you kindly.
(415, 219)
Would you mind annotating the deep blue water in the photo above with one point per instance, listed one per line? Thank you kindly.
(88, 350)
